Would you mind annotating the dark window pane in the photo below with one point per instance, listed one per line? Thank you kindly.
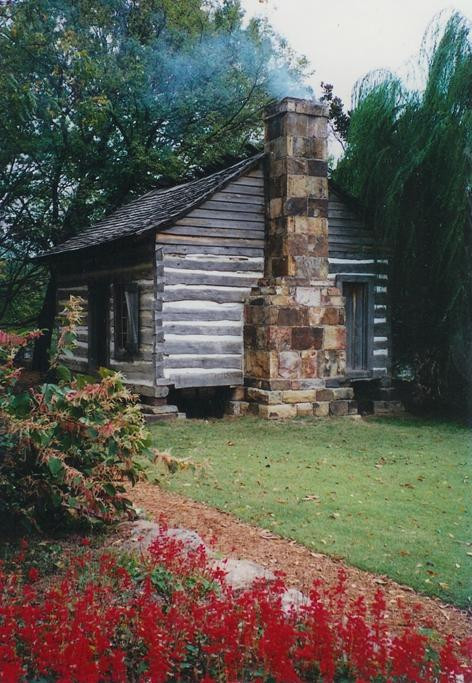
(126, 318)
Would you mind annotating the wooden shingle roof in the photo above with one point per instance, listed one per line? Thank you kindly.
(153, 210)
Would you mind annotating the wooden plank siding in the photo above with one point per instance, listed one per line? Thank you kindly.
(353, 250)
(211, 259)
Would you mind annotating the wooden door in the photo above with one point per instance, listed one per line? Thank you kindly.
(357, 327)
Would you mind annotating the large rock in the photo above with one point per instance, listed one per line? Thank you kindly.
(241, 574)
(143, 533)
(293, 599)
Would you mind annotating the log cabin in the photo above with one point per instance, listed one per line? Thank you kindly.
(259, 284)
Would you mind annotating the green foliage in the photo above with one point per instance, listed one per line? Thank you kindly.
(66, 449)
(102, 100)
(409, 160)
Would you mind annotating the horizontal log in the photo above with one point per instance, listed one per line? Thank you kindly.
(342, 214)
(340, 231)
(194, 345)
(211, 379)
(216, 233)
(228, 361)
(240, 242)
(195, 293)
(117, 272)
(350, 252)
(213, 250)
(197, 327)
(362, 268)
(229, 264)
(239, 197)
(337, 210)
(222, 205)
(185, 277)
(187, 314)
(239, 188)
(223, 212)
(250, 181)
(215, 222)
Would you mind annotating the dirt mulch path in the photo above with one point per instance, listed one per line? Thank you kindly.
(301, 566)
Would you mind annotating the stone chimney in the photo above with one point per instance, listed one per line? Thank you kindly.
(294, 334)
(297, 190)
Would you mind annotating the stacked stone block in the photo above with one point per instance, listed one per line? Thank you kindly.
(295, 335)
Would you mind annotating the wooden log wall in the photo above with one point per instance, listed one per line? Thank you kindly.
(211, 259)
(79, 359)
(353, 251)
(140, 371)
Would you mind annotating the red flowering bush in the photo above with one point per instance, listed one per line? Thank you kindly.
(170, 617)
(65, 447)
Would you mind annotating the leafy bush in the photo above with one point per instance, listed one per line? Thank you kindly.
(65, 447)
(169, 616)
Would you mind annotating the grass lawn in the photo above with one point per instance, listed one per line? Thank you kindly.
(389, 495)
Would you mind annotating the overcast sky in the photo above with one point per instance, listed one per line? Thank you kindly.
(344, 39)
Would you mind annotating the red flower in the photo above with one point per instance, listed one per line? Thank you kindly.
(33, 574)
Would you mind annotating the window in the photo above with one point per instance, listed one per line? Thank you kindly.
(358, 294)
(126, 300)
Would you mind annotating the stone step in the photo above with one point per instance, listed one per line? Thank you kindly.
(163, 412)
(387, 407)
(158, 410)
(148, 418)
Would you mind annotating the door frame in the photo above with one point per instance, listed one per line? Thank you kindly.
(369, 282)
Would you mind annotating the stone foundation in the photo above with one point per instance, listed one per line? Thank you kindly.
(288, 404)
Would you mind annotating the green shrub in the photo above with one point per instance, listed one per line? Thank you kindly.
(66, 448)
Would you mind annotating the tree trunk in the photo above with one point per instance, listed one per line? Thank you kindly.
(45, 323)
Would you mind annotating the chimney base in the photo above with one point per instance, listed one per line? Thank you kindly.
(294, 342)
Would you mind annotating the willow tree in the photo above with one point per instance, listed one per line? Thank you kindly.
(409, 160)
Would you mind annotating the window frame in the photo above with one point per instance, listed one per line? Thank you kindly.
(369, 282)
(131, 350)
